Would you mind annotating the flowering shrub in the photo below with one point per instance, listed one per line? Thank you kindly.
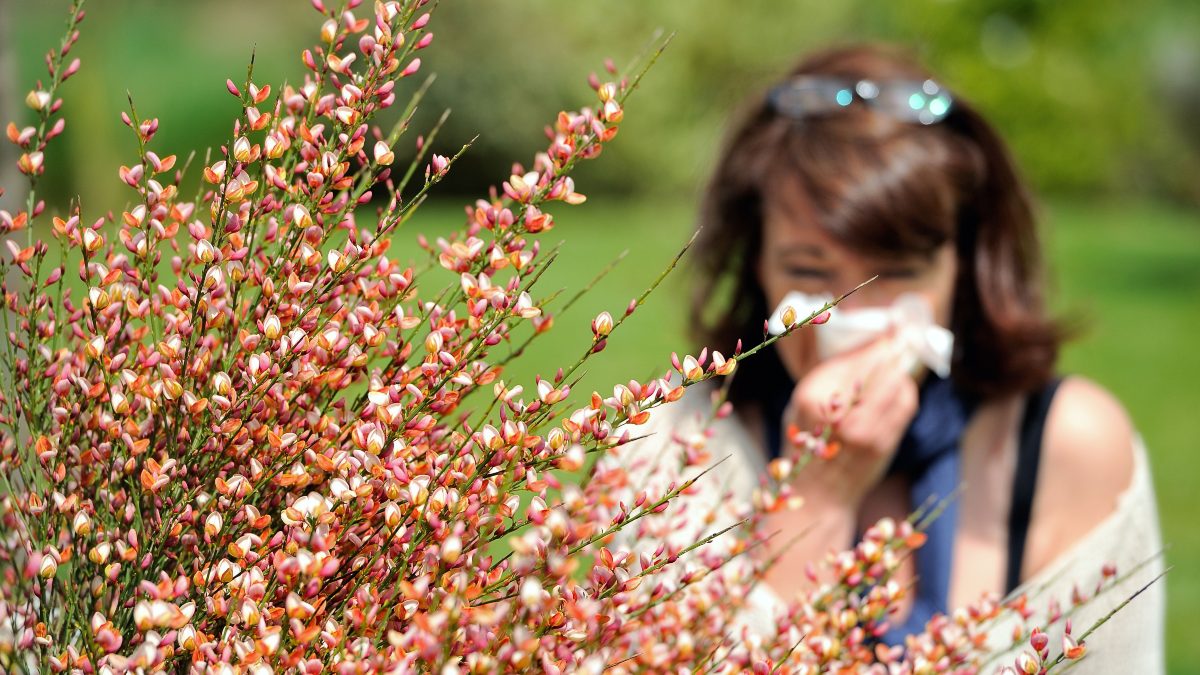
(292, 451)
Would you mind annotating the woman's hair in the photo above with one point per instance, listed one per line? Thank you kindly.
(881, 186)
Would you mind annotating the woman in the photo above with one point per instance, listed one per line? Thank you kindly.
(858, 165)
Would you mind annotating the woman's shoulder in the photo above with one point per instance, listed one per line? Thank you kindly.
(1087, 463)
(1087, 429)
(1095, 507)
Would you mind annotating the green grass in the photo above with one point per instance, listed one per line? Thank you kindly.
(588, 239)
(1135, 272)
(1130, 272)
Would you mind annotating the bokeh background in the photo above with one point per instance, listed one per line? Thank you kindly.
(1099, 100)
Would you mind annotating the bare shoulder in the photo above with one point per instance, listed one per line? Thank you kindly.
(1087, 462)
(1088, 437)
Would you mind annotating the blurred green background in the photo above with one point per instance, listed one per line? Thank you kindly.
(1100, 102)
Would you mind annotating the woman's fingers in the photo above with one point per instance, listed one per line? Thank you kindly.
(853, 376)
(870, 395)
(875, 400)
(883, 411)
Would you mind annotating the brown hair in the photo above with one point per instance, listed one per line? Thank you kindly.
(881, 185)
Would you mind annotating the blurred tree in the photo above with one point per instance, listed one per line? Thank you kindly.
(170, 58)
(1092, 96)
(1073, 86)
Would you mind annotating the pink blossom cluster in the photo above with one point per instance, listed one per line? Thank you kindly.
(250, 440)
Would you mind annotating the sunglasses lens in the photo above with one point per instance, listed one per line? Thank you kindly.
(911, 101)
(923, 102)
(936, 108)
(810, 97)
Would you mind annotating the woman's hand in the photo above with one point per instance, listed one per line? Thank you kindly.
(878, 398)
(870, 397)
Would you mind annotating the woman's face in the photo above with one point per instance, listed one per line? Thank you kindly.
(797, 255)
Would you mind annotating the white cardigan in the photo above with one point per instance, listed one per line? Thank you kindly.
(1130, 642)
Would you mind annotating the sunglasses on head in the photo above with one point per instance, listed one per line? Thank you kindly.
(924, 102)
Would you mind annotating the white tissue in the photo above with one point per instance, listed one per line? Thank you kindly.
(922, 340)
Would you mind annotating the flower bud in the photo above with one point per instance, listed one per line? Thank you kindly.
(275, 145)
(338, 262)
(602, 325)
(120, 402)
(412, 67)
(328, 31)
(99, 298)
(213, 277)
(141, 616)
(556, 439)
(297, 608)
(451, 549)
(573, 459)
(383, 154)
(780, 468)
(1039, 640)
(346, 115)
(92, 240)
(250, 613)
(37, 99)
(213, 174)
(241, 149)
(271, 327)
(213, 524)
(789, 316)
(205, 251)
(31, 163)
(531, 593)
(222, 384)
(1027, 663)
(82, 524)
(1071, 649)
(612, 112)
(392, 516)
(242, 546)
(48, 568)
(187, 638)
(95, 347)
(100, 552)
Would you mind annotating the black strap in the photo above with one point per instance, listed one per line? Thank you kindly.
(1029, 450)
